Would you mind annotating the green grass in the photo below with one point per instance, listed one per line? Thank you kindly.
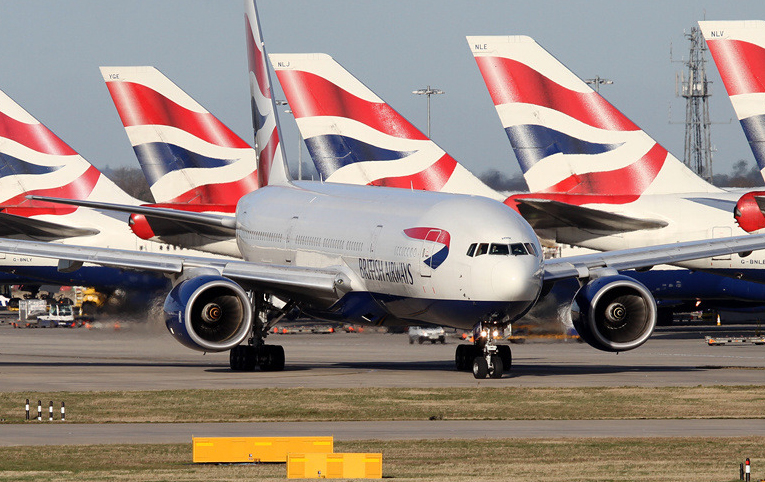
(697, 459)
(301, 404)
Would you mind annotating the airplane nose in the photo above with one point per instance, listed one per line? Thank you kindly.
(515, 278)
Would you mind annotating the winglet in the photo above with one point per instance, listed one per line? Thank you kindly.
(272, 161)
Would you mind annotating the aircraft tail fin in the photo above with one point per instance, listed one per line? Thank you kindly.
(354, 137)
(567, 138)
(187, 155)
(738, 49)
(33, 160)
(272, 161)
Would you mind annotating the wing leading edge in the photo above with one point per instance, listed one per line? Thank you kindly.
(586, 265)
(324, 284)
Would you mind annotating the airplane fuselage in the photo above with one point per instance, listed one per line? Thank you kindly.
(404, 252)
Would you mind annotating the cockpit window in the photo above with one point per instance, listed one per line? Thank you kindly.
(483, 248)
(471, 249)
(531, 248)
(499, 249)
(518, 249)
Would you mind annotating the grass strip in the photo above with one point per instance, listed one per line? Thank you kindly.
(483, 403)
(697, 459)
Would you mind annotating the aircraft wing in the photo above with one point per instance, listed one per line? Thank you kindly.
(221, 223)
(327, 284)
(13, 225)
(586, 265)
(549, 214)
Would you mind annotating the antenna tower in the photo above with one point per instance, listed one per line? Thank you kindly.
(692, 84)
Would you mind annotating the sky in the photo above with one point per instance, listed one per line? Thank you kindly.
(50, 52)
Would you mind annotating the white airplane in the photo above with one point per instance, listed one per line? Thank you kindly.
(384, 256)
(356, 138)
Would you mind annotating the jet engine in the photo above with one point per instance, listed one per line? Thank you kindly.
(208, 313)
(747, 212)
(614, 313)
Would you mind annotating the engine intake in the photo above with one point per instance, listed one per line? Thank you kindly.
(208, 313)
(614, 313)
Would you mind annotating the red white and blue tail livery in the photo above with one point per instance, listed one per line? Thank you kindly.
(354, 137)
(265, 122)
(567, 138)
(187, 154)
(33, 160)
(738, 49)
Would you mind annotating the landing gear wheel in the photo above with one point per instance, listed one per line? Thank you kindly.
(480, 367)
(271, 358)
(463, 357)
(243, 358)
(421, 340)
(506, 355)
(496, 367)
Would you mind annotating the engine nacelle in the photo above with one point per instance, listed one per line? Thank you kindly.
(614, 313)
(208, 313)
(748, 213)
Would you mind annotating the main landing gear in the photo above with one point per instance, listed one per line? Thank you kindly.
(270, 358)
(484, 357)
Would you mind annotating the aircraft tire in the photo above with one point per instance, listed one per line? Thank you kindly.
(272, 358)
(496, 371)
(480, 368)
(506, 355)
(243, 358)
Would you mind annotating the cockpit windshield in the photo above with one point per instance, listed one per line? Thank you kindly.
(501, 249)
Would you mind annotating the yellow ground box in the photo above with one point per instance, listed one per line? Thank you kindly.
(255, 449)
(334, 466)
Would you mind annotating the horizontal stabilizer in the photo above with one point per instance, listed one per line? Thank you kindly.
(549, 214)
(12, 225)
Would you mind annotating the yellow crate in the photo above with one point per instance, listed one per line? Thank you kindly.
(334, 466)
(255, 449)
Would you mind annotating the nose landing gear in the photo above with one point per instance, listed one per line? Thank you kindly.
(484, 357)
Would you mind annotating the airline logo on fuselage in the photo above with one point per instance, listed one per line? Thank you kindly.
(390, 271)
(440, 239)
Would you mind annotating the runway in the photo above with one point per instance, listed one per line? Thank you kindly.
(44, 433)
(142, 357)
(146, 358)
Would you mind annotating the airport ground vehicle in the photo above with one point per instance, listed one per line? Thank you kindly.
(421, 334)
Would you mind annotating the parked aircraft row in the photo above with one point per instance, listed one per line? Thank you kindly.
(426, 243)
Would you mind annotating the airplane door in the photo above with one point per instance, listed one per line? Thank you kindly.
(375, 235)
(721, 232)
(428, 248)
(289, 243)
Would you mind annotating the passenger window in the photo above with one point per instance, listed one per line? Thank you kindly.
(483, 248)
(518, 249)
(471, 250)
(531, 248)
(499, 249)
